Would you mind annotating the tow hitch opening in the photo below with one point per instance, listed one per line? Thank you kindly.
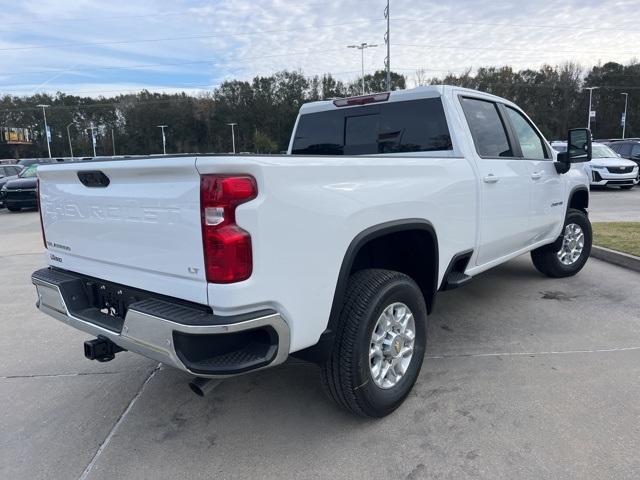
(101, 349)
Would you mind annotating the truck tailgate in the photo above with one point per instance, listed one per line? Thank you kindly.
(142, 229)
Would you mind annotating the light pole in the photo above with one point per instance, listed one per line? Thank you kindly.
(46, 129)
(624, 122)
(233, 135)
(362, 47)
(164, 139)
(93, 138)
(387, 40)
(69, 137)
(591, 89)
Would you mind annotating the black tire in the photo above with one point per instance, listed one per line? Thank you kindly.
(346, 375)
(627, 187)
(13, 209)
(546, 260)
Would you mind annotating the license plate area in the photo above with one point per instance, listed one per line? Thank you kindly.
(109, 299)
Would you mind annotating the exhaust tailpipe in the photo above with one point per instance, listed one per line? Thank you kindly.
(202, 386)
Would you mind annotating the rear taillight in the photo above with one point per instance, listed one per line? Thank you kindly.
(44, 238)
(228, 254)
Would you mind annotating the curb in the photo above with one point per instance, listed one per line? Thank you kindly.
(617, 258)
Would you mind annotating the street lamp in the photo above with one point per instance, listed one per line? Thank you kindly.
(362, 47)
(69, 137)
(387, 40)
(233, 136)
(164, 139)
(46, 129)
(624, 118)
(93, 138)
(591, 89)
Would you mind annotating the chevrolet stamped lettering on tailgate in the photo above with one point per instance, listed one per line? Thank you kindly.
(130, 212)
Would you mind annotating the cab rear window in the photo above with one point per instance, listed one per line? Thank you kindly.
(408, 126)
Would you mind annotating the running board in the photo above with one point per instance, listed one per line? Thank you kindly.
(455, 277)
(456, 280)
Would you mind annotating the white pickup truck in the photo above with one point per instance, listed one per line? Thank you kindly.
(224, 264)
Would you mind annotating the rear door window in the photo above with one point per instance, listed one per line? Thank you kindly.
(531, 143)
(488, 131)
(393, 127)
(625, 149)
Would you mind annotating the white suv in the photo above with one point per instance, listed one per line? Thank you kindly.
(606, 167)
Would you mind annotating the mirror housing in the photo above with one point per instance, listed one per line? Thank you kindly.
(578, 146)
(578, 149)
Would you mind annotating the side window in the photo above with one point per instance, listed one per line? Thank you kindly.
(531, 143)
(635, 151)
(625, 149)
(487, 129)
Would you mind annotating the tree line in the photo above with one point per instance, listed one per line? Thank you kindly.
(265, 109)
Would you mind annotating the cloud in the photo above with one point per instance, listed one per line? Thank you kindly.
(89, 45)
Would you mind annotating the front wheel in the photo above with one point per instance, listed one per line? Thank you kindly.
(569, 253)
(380, 343)
(627, 187)
(13, 209)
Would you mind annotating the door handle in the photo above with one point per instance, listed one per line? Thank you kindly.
(536, 175)
(491, 178)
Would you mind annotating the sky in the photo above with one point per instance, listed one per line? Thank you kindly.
(97, 47)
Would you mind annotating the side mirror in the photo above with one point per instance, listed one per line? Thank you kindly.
(578, 149)
(578, 146)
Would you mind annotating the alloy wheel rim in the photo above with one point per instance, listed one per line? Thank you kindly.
(572, 244)
(392, 344)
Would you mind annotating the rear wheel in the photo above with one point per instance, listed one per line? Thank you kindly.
(13, 209)
(569, 253)
(627, 187)
(380, 343)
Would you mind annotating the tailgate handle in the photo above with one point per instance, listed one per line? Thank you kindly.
(94, 178)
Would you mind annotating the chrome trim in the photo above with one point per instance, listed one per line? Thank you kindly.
(152, 336)
(572, 244)
(391, 347)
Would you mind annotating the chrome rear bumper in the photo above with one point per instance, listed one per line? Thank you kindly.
(153, 327)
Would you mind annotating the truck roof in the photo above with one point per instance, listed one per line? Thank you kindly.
(427, 91)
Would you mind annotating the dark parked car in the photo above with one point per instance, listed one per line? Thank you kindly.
(8, 172)
(627, 149)
(21, 192)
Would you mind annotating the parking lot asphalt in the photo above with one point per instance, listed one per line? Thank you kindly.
(525, 377)
(615, 205)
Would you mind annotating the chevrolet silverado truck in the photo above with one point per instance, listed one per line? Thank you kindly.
(224, 264)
